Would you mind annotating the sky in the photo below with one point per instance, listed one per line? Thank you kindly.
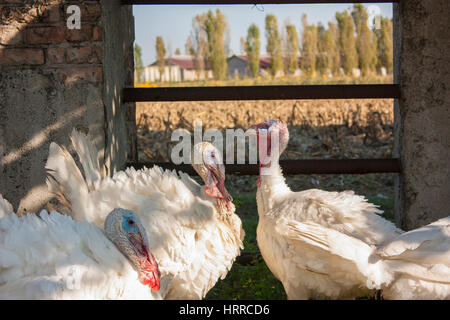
(174, 22)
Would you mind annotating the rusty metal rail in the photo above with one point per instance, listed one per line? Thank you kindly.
(292, 167)
(374, 91)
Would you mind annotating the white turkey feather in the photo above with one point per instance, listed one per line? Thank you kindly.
(190, 183)
(343, 211)
(420, 260)
(429, 244)
(5, 207)
(334, 264)
(88, 158)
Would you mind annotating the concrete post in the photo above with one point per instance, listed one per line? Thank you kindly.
(422, 115)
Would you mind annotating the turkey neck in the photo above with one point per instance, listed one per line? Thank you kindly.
(272, 189)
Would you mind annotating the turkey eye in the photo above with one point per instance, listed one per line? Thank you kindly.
(130, 222)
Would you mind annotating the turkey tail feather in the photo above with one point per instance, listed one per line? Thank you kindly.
(5, 207)
(88, 155)
(64, 179)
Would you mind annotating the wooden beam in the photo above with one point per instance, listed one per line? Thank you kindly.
(372, 91)
(292, 167)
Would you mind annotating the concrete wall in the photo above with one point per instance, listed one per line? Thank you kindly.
(422, 67)
(118, 68)
(53, 79)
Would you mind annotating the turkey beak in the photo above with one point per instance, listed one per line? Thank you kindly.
(263, 129)
(256, 125)
(146, 264)
(220, 175)
(255, 128)
(215, 183)
(262, 125)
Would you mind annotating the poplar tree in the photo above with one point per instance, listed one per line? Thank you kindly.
(374, 46)
(215, 30)
(321, 58)
(364, 38)
(309, 47)
(138, 65)
(347, 42)
(199, 40)
(331, 48)
(385, 49)
(160, 56)
(252, 48)
(242, 45)
(273, 47)
(189, 47)
(291, 48)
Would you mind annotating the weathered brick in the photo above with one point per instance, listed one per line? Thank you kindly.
(90, 12)
(56, 55)
(97, 33)
(80, 35)
(16, 57)
(91, 74)
(83, 55)
(10, 35)
(45, 35)
(99, 52)
(52, 14)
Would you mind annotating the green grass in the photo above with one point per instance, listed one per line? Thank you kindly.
(248, 282)
(257, 282)
(387, 205)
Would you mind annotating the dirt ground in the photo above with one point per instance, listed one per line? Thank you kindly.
(318, 128)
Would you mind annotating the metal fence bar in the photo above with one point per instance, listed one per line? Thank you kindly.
(224, 2)
(368, 91)
(292, 167)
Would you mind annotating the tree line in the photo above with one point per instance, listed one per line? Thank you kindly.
(342, 46)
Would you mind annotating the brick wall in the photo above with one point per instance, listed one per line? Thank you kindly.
(53, 79)
(36, 35)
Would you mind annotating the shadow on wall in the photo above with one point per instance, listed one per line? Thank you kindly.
(51, 80)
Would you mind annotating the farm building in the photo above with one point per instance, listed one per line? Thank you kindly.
(177, 68)
(238, 66)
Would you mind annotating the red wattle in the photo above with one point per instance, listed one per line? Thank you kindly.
(155, 285)
(151, 276)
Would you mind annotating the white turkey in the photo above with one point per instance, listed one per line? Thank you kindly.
(51, 256)
(193, 231)
(419, 261)
(293, 229)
